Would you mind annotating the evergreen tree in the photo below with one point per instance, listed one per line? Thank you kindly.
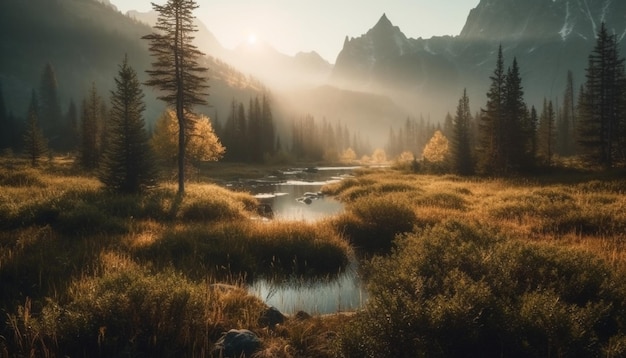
(127, 165)
(546, 133)
(268, 135)
(448, 126)
(602, 104)
(255, 129)
(89, 152)
(517, 136)
(461, 151)
(504, 128)
(5, 125)
(491, 158)
(71, 119)
(50, 114)
(534, 124)
(176, 71)
(34, 141)
(565, 130)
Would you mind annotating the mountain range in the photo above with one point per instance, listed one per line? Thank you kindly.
(547, 37)
(378, 79)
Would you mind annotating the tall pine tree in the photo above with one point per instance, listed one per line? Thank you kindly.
(34, 141)
(176, 71)
(89, 152)
(491, 159)
(566, 121)
(5, 125)
(546, 133)
(461, 150)
(51, 116)
(602, 107)
(127, 165)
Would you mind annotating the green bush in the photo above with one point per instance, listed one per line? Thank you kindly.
(457, 290)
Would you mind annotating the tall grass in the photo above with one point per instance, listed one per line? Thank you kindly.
(523, 267)
(249, 248)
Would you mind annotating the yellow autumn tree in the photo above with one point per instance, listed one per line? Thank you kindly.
(202, 142)
(436, 154)
(437, 149)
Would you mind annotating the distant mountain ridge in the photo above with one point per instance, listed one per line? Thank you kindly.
(548, 38)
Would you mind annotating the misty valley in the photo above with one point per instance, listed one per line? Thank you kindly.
(162, 195)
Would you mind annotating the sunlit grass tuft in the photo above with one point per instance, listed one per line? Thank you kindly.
(249, 248)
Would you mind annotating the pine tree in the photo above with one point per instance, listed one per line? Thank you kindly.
(176, 71)
(34, 141)
(448, 126)
(460, 144)
(127, 165)
(89, 149)
(602, 107)
(565, 130)
(546, 133)
(515, 125)
(71, 119)
(255, 128)
(5, 125)
(267, 127)
(491, 158)
(50, 114)
(533, 120)
(504, 128)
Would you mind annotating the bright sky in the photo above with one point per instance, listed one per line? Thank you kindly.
(292, 26)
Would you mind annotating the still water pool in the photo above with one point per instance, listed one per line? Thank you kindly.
(296, 197)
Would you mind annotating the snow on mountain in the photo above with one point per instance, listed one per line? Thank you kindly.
(548, 38)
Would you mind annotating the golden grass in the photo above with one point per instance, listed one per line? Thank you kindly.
(586, 212)
(184, 246)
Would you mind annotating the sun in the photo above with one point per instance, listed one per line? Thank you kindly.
(252, 39)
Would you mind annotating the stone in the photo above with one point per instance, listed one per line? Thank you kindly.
(237, 343)
(271, 317)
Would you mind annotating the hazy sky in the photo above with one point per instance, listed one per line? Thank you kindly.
(291, 26)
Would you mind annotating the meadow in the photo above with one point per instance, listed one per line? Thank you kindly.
(454, 266)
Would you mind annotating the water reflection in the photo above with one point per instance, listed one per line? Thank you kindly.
(336, 294)
(293, 200)
(295, 195)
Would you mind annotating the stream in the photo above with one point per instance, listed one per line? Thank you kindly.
(296, 197)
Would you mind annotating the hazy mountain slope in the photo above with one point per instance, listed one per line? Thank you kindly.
(85, 41)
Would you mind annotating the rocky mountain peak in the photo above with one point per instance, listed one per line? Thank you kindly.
(360, 54)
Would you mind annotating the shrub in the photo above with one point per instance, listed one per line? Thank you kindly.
(460, 290)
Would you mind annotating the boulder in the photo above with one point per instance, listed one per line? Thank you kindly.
(271, 317)
(237, 343)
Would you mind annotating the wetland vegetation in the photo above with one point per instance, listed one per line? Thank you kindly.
(530, 266)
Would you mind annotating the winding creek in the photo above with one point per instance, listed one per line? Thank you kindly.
(296, 197)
